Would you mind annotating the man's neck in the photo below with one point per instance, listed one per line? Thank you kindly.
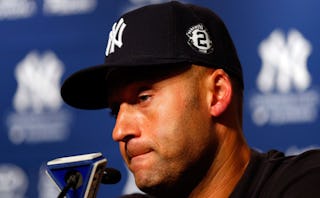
(228, 167)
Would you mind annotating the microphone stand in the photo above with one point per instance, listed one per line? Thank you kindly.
(74, 180)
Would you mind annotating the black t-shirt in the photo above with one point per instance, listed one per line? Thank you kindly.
(273, 175)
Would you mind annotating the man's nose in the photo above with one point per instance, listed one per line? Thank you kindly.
(126, 123)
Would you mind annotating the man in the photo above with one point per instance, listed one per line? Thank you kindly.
(174, 83)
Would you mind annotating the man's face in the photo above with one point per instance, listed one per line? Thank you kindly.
(163, 127)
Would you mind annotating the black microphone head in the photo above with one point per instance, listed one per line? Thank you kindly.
(111, 176)
(74, 179)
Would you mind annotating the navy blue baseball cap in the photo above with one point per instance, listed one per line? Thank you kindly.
(153, 36)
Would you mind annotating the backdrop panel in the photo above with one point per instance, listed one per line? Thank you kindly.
(44, 41)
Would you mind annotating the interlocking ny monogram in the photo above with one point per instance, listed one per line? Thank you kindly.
(284, 62)
(115, 36)
(38, 79)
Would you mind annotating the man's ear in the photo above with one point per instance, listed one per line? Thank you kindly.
(221, 88)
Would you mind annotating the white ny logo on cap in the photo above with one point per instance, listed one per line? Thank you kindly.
(115, 36)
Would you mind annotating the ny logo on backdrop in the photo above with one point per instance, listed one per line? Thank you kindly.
(13, 181)
(38, 115)
(68, 7)
(286, 93)
(38, 83)
(284, 62)
(17, 9)
(21, 9)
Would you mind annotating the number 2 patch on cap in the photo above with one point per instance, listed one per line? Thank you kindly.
(199, 39)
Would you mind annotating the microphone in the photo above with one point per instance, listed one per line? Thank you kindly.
(110, 176)
(73, 180)
(79, 176)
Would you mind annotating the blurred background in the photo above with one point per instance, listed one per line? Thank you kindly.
(44, 41)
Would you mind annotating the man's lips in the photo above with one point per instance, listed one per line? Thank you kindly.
(134, 149)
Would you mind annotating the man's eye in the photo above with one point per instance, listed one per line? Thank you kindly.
(144, 97)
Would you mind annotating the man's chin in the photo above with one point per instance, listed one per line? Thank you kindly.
(155, 187)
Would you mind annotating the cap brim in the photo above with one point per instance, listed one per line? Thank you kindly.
(87, 88)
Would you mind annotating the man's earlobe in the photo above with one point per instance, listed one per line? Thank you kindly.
(221, 92)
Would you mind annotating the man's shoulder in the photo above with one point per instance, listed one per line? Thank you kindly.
(273, 174)
(284, 167)
(280, 161)
(302, 162)
(296, 174)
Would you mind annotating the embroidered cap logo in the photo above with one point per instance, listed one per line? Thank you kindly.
(115, 36)
(199, 39)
